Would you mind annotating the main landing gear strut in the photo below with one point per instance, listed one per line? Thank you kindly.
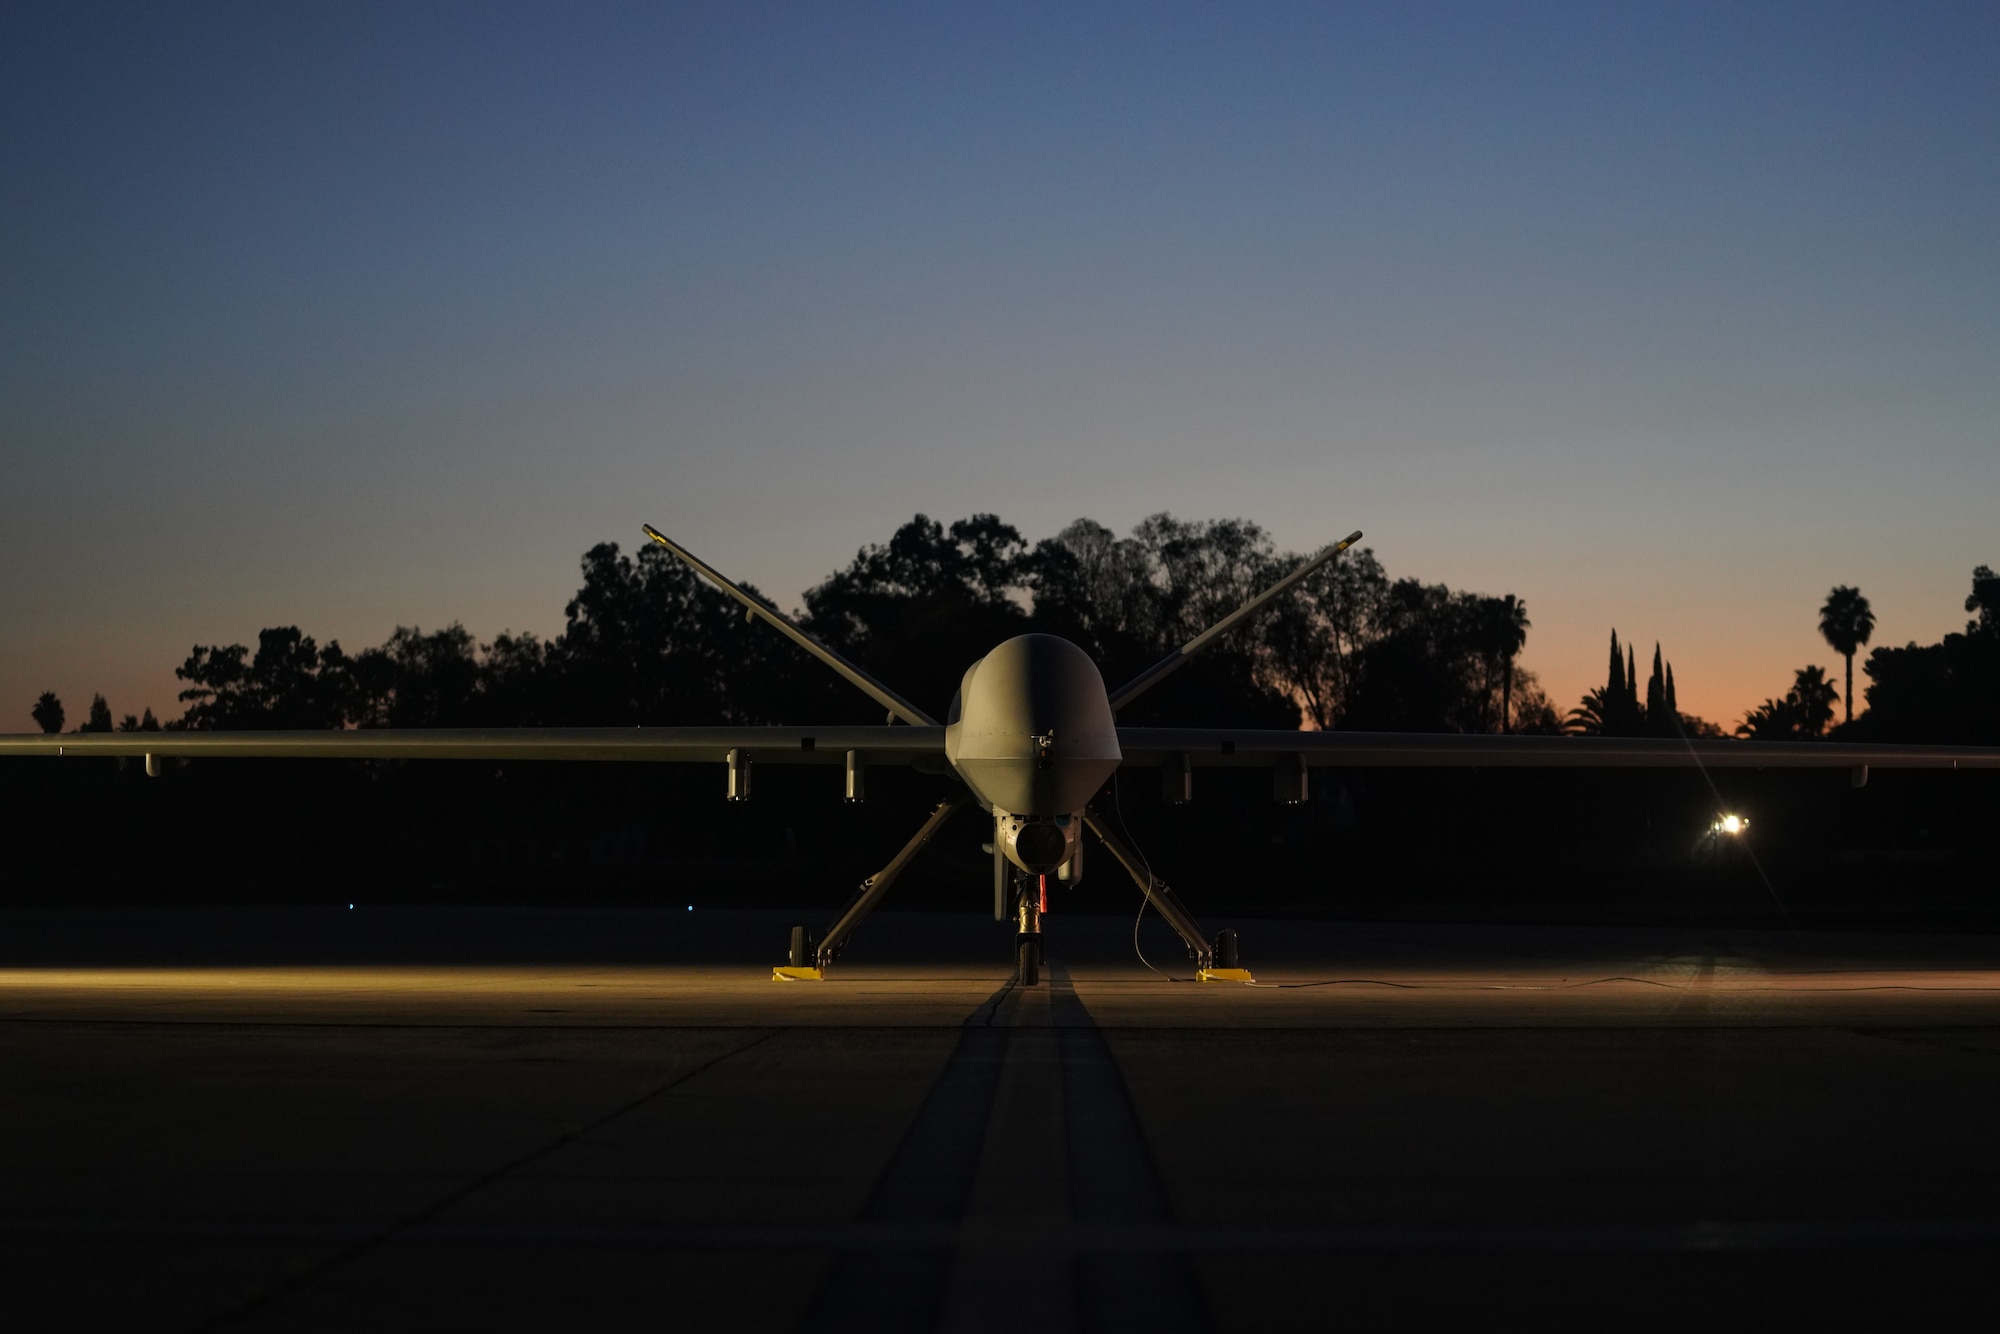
(1218, 962)
(809, 959)
(1214, 962)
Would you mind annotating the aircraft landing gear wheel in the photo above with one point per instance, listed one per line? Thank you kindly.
(1028, 970)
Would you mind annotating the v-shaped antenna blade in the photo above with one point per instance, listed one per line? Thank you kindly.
(1160, 670)
(897, 706)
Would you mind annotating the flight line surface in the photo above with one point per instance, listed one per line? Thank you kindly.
(405, 1119)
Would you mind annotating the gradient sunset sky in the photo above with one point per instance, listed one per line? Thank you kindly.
(1663, 317)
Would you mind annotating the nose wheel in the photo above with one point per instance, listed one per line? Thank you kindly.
(1029, 902)
(1028, 961)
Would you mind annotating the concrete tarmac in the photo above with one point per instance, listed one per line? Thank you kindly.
(402, 1119)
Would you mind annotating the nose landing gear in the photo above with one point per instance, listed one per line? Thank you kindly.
(1031, 902)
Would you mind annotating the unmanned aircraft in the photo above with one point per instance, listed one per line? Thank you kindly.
(1032, 737)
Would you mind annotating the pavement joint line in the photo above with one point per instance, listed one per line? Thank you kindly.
(1317, 1024)
(275, 1024)
(924, 1189)
(1748, 1236)
(1930, 1039)
(420, 1218)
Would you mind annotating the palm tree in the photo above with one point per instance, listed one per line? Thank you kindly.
(1845, 622)
(1802, 715)
(1773, 720)
(1589, 717)
(1812, 696)
(1504, 628)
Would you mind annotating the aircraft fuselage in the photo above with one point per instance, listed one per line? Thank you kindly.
(1032, 734)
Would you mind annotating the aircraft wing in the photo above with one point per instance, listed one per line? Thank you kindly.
(1252, 748)
(924, 747)
(920, 746)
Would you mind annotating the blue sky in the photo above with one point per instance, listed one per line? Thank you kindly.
(1665, 317)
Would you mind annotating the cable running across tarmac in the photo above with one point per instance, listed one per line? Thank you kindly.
(1145, 898)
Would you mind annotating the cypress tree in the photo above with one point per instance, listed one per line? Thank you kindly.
(1623, 714)
(1658, 720)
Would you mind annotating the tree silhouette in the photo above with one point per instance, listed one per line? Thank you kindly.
(1432, 665)
(1659, 718)
(1943, 692)
(1502, 630)
(48, 712)
(647, 642)
(1802, 714)
(289, 683)
(1313, 637)
(1128, 601)
(1533, 713)
(417, 680)
(920, 608)
(1815, 695)
(1613, 709)
(1347, 648)
(1591, 716)
(100, 716)
(514, 679)
(1773, 720)
(1663, 710)
(1985, 600)
(1846, 622)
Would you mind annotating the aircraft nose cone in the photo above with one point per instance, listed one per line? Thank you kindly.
(1034, 733)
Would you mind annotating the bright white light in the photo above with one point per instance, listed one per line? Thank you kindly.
(1732, 824)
